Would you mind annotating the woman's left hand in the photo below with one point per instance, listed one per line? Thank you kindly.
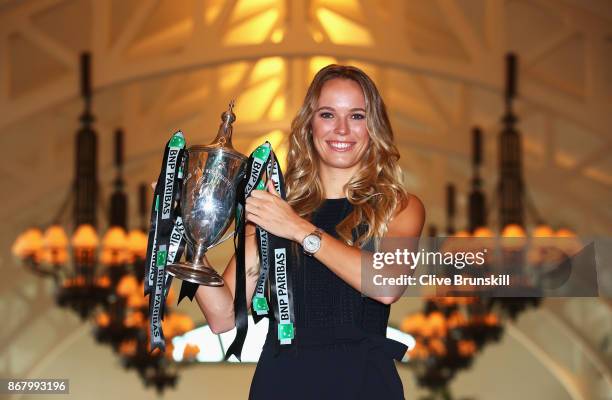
(268, 210)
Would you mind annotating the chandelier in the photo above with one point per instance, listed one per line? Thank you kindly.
(448, 334)
(451, 330)
(520, 246)
(101, 279)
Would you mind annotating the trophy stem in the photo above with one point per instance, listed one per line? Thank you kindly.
(199, 271)
(199, 258)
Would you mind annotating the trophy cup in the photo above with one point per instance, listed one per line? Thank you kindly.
(208, 201)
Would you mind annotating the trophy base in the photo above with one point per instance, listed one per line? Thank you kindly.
(200, 274)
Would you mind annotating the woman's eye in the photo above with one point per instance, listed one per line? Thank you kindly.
(326, 115)
(358, 116)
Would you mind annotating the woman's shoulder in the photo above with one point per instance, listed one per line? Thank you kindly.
(409, 218)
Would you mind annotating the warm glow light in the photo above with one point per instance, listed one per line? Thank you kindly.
(466, 347)
(317, 63)
(254, 30)
(85, 237)
(213, 7)
(102, 320)
(114, 246)
(413, 324)
(115, 239)
(191, 351)
(277, 109)
(55, 238)
(342, 30)
(55, 244)
(565, 233)
(436, 324)
(317, 36)
(137, 300)
(135, 319)
(103, 281)
(569, 243)
(543, 231)
(452, 245)
(137, 243)
(269, 67)
(28, 244)
(462, 234)
(246, 8)
(277, 36)
(176, 324)
(127, 286)
(264, 86)
(54, 257)
(165, 39)
(456, 320)
(513, 237)
(437, 347)
(171, 296)
(419, 351)
(483, 232)
(231, 74)
(128, 348)
(491, 319)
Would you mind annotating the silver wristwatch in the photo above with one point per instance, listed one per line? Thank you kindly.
(312, 242)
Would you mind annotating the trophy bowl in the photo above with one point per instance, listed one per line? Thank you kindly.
(208, 202)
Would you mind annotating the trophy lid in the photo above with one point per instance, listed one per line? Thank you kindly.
(224, 134)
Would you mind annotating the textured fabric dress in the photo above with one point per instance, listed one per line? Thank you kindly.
(340, 349)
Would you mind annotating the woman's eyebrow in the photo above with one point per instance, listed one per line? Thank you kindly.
(332, 109)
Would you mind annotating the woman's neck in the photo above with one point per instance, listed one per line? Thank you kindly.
(334, 180)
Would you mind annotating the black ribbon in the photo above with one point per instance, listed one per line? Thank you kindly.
(240, 312)
(262, 165)
(164, 235)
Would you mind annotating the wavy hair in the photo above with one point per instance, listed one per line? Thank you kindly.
(375, 190)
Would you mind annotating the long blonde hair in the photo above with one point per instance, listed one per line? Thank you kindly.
(375, 191)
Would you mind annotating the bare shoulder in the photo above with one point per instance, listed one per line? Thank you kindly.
(408, 221)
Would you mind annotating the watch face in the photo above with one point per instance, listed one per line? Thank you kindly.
(311, 243)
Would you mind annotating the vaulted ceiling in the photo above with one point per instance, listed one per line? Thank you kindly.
(164, 65)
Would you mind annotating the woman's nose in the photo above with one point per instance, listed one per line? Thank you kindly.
(341, 127)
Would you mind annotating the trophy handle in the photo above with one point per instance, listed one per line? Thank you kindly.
(229, 235)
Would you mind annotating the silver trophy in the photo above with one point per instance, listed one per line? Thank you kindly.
(207, 201)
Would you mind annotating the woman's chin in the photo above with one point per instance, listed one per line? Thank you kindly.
(340, 164)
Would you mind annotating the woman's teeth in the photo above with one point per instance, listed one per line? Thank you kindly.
(341, 146)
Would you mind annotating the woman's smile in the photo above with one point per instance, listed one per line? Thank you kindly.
(340, 146)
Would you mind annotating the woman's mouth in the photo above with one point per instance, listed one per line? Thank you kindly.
(340, 146)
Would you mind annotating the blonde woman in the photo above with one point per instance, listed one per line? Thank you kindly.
(344, 193)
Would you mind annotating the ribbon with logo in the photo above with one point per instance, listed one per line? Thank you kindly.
(166, 241)
(273, 255)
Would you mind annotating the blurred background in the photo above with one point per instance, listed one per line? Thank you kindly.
(459, 106)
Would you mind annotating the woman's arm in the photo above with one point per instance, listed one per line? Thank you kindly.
(217, 303)
(276, 216)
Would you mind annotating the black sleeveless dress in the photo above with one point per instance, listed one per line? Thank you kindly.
(340, 349)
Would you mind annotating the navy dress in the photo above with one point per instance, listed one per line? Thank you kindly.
(340, 350)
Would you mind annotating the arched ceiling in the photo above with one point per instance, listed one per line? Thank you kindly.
(162, 65)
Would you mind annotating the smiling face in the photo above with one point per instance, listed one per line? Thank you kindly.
(339, 129)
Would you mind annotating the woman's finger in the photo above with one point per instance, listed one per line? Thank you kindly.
(271, 188)
(251, 209)
(153, 185)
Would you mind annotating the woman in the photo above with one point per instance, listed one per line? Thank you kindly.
(344, 192)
